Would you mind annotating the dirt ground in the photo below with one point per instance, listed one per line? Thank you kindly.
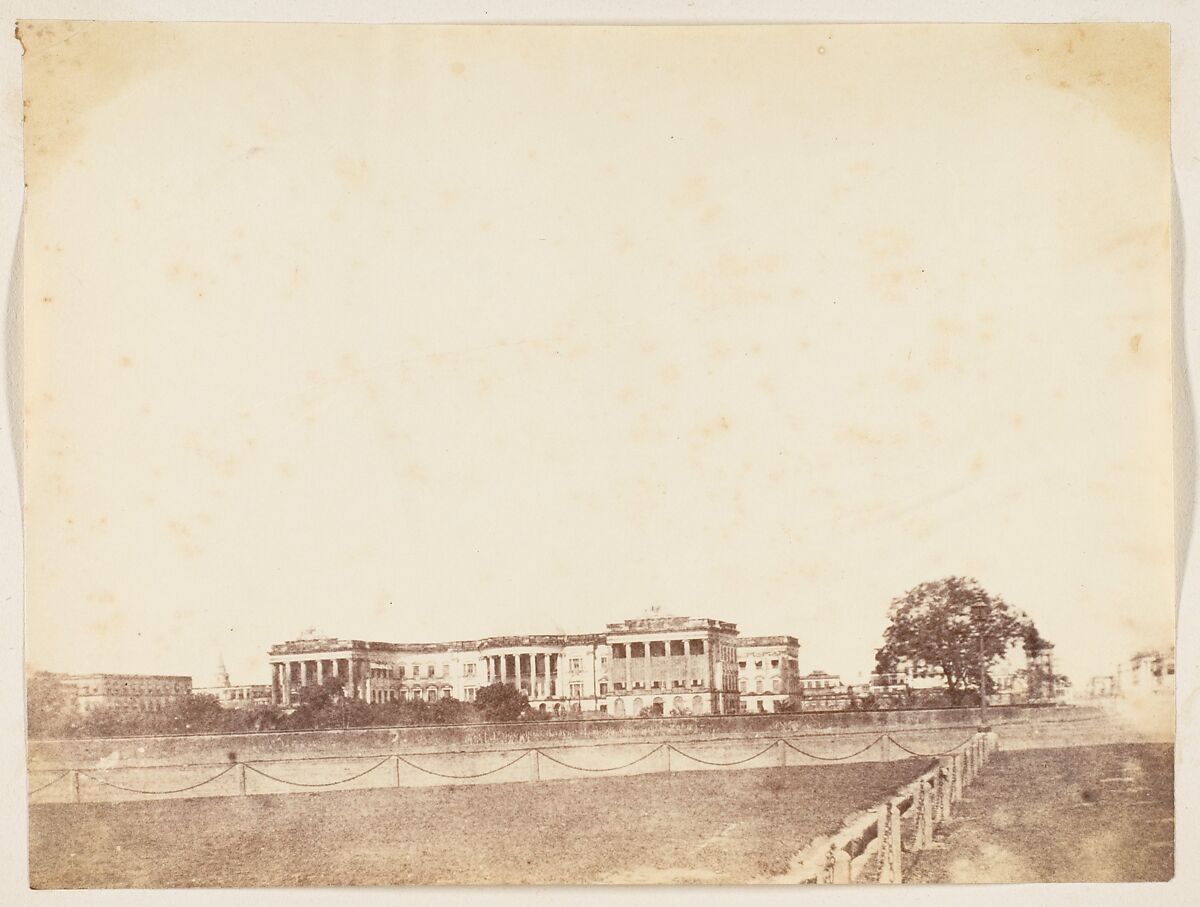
(1079, 814)
(724, 827)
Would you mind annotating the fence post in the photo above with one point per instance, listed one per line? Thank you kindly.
(925, 820)
(896, 832)
(242, 778)
(885, 748)
(841, 867)
(888, 831)
(396, 768)
(929, 807)
(958, 777)
(825, 873)
(782, 753)
(946, 789)
(883, 826)
(914, 813)
(535, 770)
(836, 868)
(75, 798)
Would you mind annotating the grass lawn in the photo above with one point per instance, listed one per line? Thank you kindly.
(1079, 814)
(728, 827)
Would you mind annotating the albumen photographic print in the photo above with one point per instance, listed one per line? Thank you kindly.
(597, 454)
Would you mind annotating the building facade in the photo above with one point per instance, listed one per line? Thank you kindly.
(768, 672)
(820, 691)
(235, 695)
(131, 692)
(1149, 672)
(656, 665)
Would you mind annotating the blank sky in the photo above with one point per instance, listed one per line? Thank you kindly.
(429, 334)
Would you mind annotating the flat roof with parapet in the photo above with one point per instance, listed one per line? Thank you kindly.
(70, 677)
(750, 641)
(306, 646)
(669, 625)
(636, 625)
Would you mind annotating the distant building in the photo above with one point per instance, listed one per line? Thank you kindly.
(130, 692)
(909, 675)
(236, 696)
(820, 691)
(768, 672)
(1149, 672)
(653, 665)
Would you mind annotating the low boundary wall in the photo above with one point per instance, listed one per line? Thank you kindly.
(80, 784)
(1022, 724)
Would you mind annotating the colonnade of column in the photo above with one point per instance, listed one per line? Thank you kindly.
(307, 672)
(526, 670)
(647, 657)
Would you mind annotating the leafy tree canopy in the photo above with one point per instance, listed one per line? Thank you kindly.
(939, 624)
(501, 702)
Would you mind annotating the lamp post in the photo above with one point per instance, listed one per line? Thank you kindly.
(979, 611)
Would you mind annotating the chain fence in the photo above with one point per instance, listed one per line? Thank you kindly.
(871, 846)
(98, 778)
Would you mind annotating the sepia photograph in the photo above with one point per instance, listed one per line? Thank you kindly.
(597, 454)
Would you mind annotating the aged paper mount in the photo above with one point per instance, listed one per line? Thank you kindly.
(508, 336)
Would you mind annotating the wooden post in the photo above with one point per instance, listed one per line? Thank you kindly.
(241, 773)
(885, 748)
(888, 834)
(782, 753)
(958, 777)
(535, 773)
(925, 817)
(894, 811)
(914, 811)
(75, 786)
(396, 769)
(836, 870)
(946, 791)
(841, 867)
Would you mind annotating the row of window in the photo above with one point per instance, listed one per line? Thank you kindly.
(619, 686)
(431, 694)
(776, 685)
(469, 669)
(819, 684)
(759, 706)
(674, 647)
(128, 688)
(137, 706)
(657, 706)
(663, 648)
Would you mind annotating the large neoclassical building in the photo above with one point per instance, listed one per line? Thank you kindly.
(662, 665)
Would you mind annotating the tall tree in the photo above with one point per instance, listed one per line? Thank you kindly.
(939, 623)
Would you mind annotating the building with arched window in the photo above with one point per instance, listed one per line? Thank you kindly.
(652, 666)
(768, 672)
